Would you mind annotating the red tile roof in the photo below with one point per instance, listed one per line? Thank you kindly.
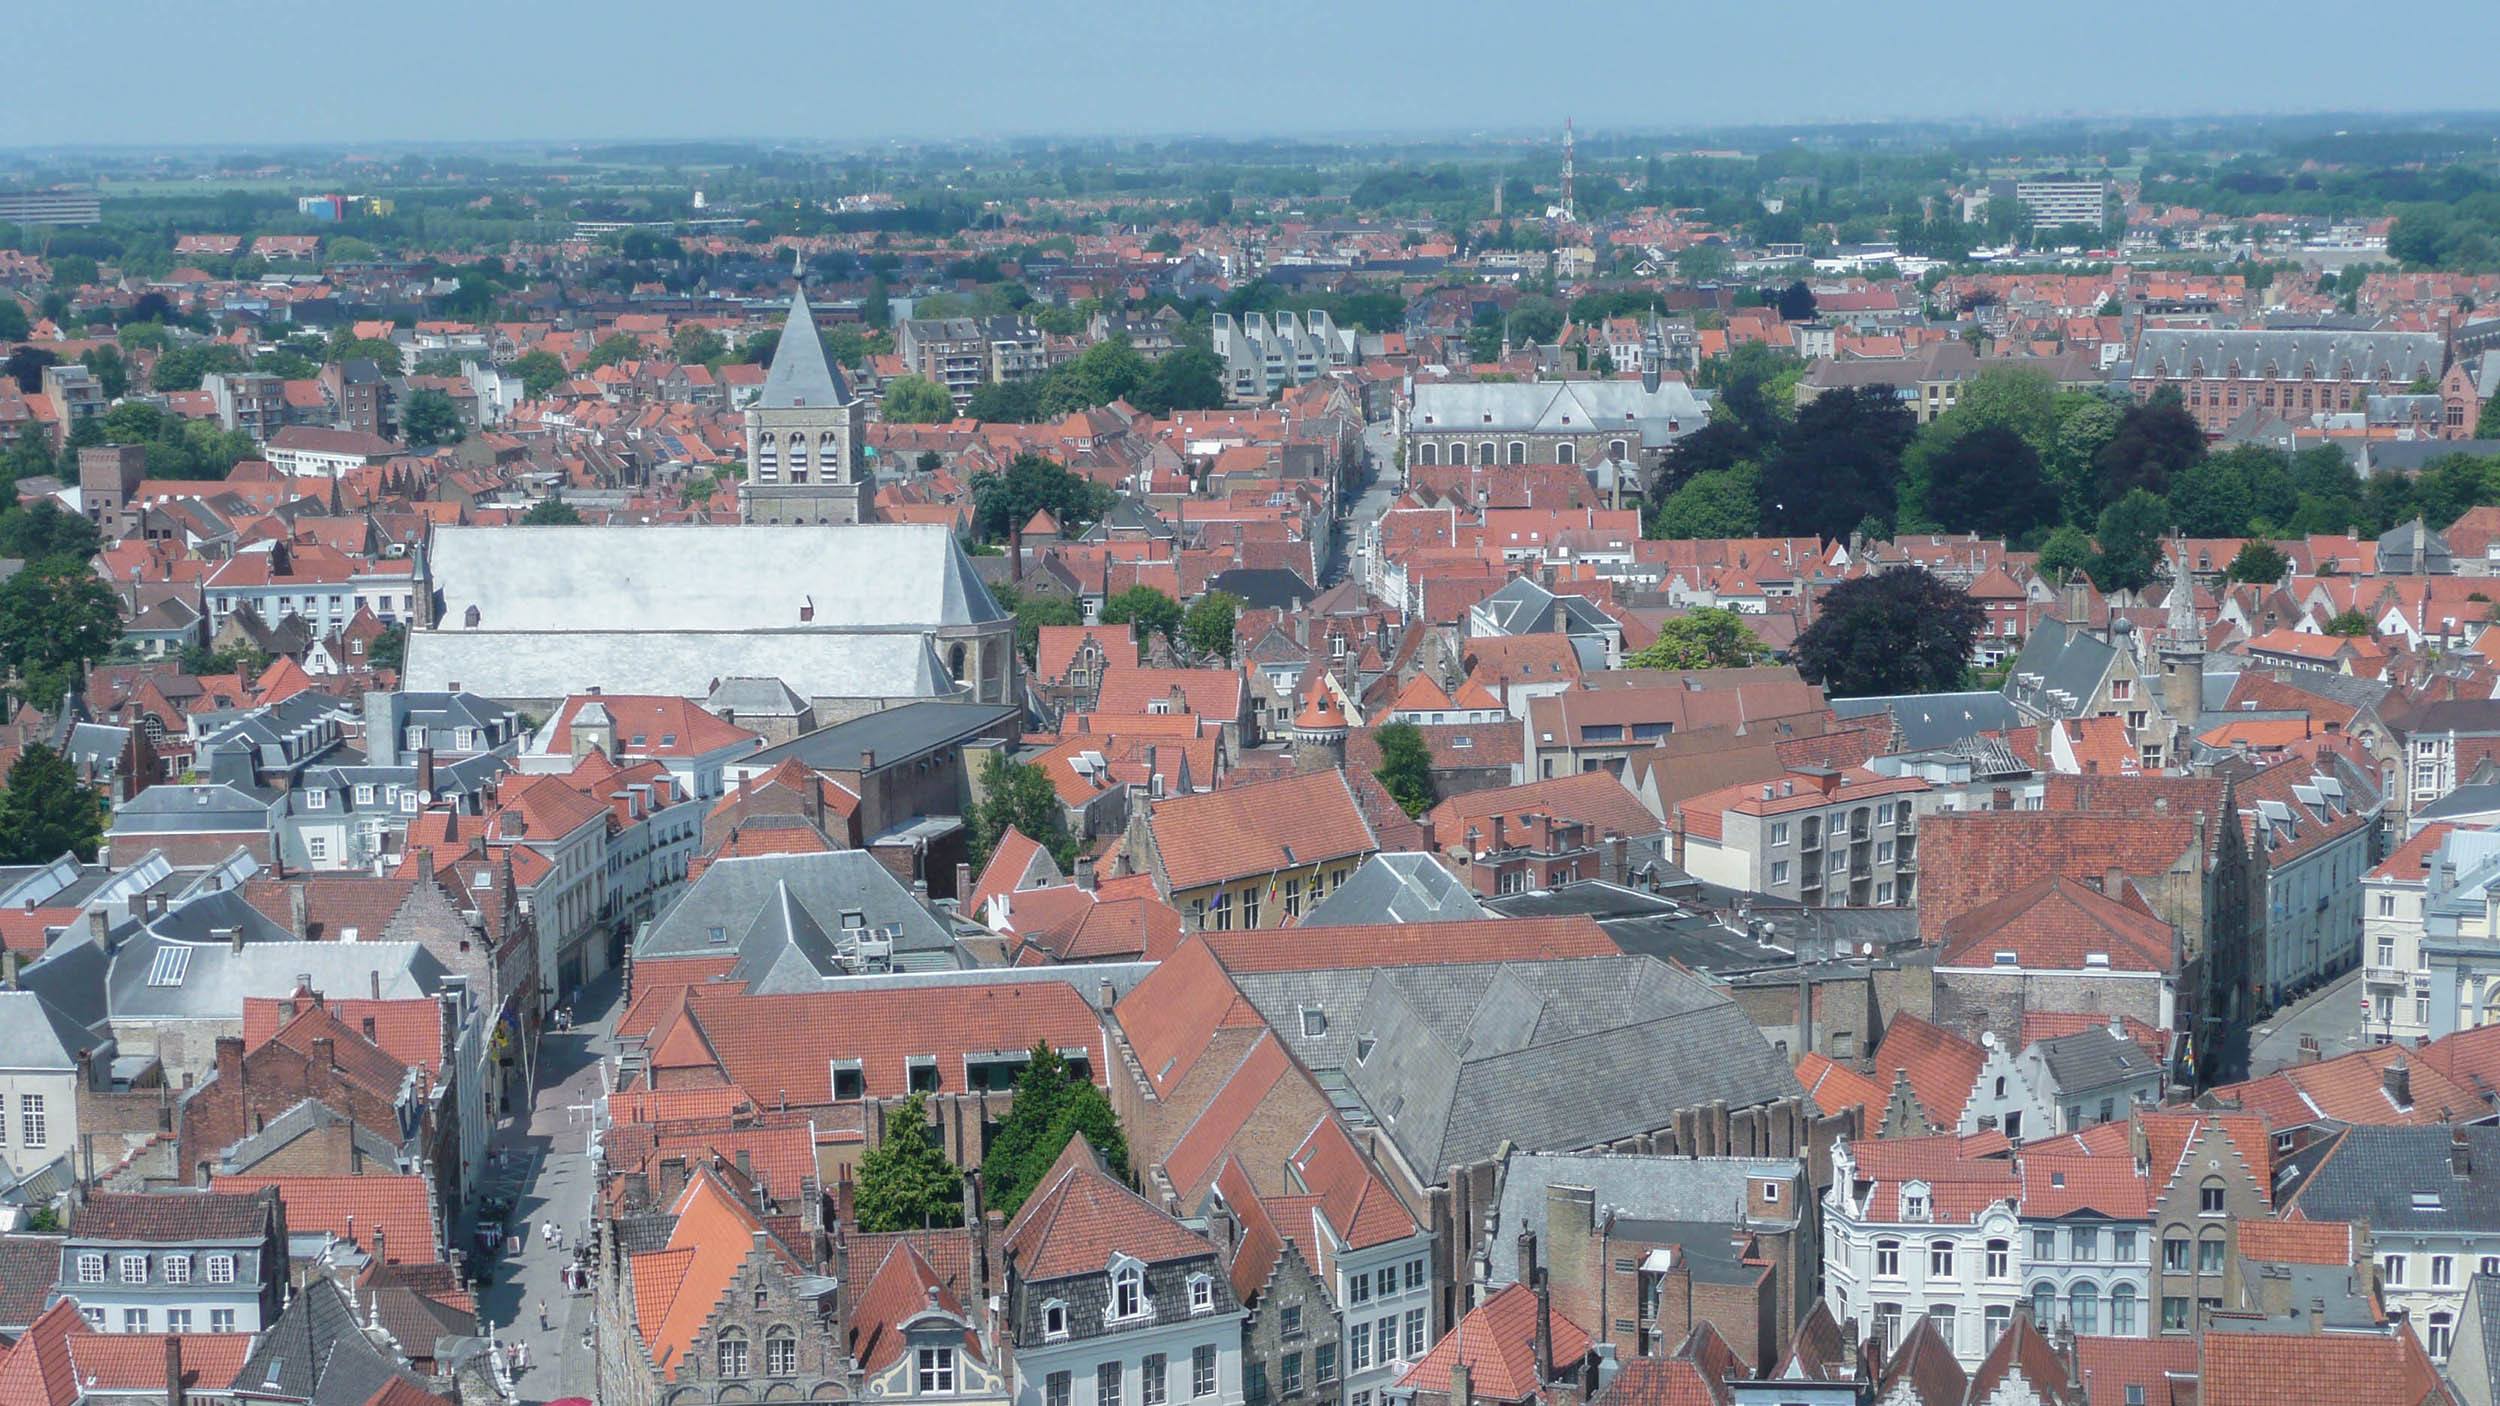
(2331, 1242)
(1497, 1343)
(1078, 1216)
(1261, 828)
(2060, 924)
(400, 1208)
(2268, 1369)
(1595, 798)
(1942, 1067)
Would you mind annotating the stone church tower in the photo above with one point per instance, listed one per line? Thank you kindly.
(803, 436)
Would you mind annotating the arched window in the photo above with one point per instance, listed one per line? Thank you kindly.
(2086, 1308)
(781, 1352)
(1939, 1259)
(767, 458)
(1566, 453)
(2000, 1258)
(1887, 1259)
(2443, 1331)
(798, 458)
(2044, 1304)
(1518, 451)
(1618, 451)
(1484, 454)
(1428, 453)
(1128, 1292)
(732, 1352)
(2210, 1197)
(2122, 1310)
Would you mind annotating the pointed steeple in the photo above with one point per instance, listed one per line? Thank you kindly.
(800, 375)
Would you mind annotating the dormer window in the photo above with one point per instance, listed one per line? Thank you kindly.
(1201, 1293)
(1054, 1319)
(1128, 1290)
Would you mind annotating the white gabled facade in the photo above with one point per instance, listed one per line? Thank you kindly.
(1914, 1229)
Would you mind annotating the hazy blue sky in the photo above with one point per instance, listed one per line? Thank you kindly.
(151, 72)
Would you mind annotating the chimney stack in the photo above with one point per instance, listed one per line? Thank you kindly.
(2460, 1153)
(299, 912)
(2398, 1080)
(1085, 872)
(1461, 1392)
(173, 1370)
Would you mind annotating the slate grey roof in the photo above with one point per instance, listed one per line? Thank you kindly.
(1525, 608)
(2482, 1296)
(875, 577)
(530, 665)
(2093, 1059)
(1711, 1191)
(204, 809)
(29, 1266)
(1463, 1058)
(2059, 670)
(35, 1034)
(71, 975)
(753, 698)
(316, 1353)
(309, 1116)
(893, 734)
(2400, 1180)
(2471, 799)
(800, 375)
(1559, 407)
(1396, 888)
(784, 916)
(1935, 720)
(2289, 355)
(214, 978)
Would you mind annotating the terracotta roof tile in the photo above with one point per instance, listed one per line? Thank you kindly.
(1243, 831)
(401, 1208)
(1497, 1342)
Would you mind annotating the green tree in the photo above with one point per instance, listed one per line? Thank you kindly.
(540, 372)
(1985, 479)
(1019, 795)
(1207, 627)
(182, 368)
(1188, 378)
(2086, 421)
(1004, 502)
(905, 1181)
(1005, 402)
(2487, 420)
(1839, 465)
(1050, 1108)
(2014, 398)
(56, 619)
(917, 400)
(2260, 562)
(46, 811)
(1108, 370)
(1722, 504)
(1892, 632)
(2154, 442)
(2350, 623)
(2067, 551)
(612, 350)
(72, 270)
(14, 326)
(1405, 768)
(1145, 611)
(2130, 541)
(551, 511)
(381, 352)
(44, 532)
(431, 419)
(695, 344)
(1705, 638)
(2211, 498)
(1701, 263)
(286, 365)
(112, 374)
(390, 648)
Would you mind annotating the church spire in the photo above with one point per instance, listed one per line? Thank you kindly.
(800, 375)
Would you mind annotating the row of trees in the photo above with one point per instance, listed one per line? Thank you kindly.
(1187, 378)
(2089, 481)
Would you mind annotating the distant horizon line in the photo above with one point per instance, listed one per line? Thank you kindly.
(1599, 130)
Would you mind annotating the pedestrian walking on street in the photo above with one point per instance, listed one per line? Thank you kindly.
(542, 1315)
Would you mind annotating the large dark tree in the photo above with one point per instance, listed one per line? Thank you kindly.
(1004, 502)
(1720, 445)
(1894, 632)
(1839, 465)
(56, 619)
(1051, 1105)
(1988, 481)
(905, 1181)
(47, 811)
(2155, 441)
(1796, 302)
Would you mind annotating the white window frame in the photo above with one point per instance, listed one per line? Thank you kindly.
(933, 1371)
(221, 1269)
(90, 1267)
(132, 1269)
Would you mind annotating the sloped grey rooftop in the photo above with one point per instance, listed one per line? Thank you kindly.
(35, 1034)
(679, 664)
(211, 979)
(1932, 720)
(800, 375)
(1396, 888)
(880, 577)
(2059, 670)
(1688, 1189)
(1559, 407)
(1454, 1061)
(785, 916)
